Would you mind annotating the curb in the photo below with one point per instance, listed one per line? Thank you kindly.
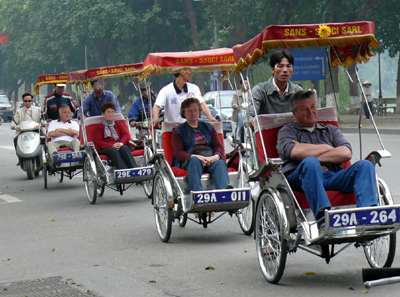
(371, 130)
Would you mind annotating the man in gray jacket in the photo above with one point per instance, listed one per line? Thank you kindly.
(273, 95)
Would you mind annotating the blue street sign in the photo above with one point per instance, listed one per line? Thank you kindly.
(309, 65)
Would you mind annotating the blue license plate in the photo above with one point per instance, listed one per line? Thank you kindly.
(220, 197)
(68, 157)
(365, 217)
(134, 172)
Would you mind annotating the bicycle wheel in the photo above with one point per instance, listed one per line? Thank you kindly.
(162, 211)
(245, 215)
(89, 177)
(380, 251)
(270, 245)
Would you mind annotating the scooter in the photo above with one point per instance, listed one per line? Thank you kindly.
(29, 147)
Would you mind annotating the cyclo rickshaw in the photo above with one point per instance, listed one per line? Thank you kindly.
(283, 219)
(66, 162)
(98, 172)
(172, 198)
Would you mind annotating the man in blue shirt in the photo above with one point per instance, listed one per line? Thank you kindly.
(54, 101)
(92, 103)
(140, 108)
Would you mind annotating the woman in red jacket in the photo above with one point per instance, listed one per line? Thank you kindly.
(111, 138)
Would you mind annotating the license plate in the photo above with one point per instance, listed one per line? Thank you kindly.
(68, 157)
(134, 172)
(365, 217)
(223, 196)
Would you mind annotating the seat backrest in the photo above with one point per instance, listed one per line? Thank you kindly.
(166, 138)
(270, 124)
(92, 122)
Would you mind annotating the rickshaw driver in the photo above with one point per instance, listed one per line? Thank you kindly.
(172, 95)
(313, 153)
(273, 95)
(92, 103)
(137, 113)
(54, 101)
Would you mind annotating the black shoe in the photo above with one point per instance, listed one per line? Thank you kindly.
(229, 187)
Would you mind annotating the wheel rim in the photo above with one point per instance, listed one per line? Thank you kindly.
(90, 182)
(377, 252)
(271, 248)
(245, 217)
(162, 211)
(148, 188)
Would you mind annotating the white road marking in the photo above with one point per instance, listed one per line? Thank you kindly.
(8, 147)
(8, 199)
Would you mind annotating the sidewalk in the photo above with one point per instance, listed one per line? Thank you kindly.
(389, 124)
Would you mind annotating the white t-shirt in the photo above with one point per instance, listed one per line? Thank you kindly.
(55, 124)
(168, 99)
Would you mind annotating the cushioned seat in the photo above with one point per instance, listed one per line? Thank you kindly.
(91, 124)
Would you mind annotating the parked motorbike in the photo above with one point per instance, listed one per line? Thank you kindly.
(29, 147)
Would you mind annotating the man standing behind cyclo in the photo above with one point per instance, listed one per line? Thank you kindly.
(140, 108)
(92, 103)
(273, 95)
(54, 101)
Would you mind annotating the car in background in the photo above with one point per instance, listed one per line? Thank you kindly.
(221, 110)
(5, 108)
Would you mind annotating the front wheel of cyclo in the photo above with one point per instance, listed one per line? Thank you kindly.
(89, 178)
(162, 210)
(245, 215)
(380, 251)
(271, 247)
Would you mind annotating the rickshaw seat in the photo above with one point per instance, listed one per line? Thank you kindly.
(166, 140)
(270, 124)
(91, 124)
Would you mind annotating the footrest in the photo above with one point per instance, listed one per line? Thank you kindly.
(133, 175)
(216, 200)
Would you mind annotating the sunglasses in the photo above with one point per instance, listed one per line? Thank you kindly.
(27, 100)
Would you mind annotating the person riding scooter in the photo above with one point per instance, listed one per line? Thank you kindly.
(27, 142)
(28, 112)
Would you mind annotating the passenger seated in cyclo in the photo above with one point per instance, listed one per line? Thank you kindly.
(63, 133)
(112, 137)
(198, 148)
(313, 153)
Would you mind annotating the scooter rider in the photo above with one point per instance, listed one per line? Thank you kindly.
(140, 108)
(28, 112)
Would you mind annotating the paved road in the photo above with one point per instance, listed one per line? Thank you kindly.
(112, 248)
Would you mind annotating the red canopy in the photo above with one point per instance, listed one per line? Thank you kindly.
(198, 61)
(339, 35)
(50, 79)
(84, 76)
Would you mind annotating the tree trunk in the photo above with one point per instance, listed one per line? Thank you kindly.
(192, 15)
(354, 92)
(398, 87)
(331, 86)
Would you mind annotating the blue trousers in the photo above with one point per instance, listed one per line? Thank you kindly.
(195, 169)
(309, 178)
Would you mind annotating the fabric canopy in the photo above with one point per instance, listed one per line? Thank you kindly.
(85, 76)
(47, 79)
(342, 36)
(198, 61)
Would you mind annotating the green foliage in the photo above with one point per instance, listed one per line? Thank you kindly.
(49, 36)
